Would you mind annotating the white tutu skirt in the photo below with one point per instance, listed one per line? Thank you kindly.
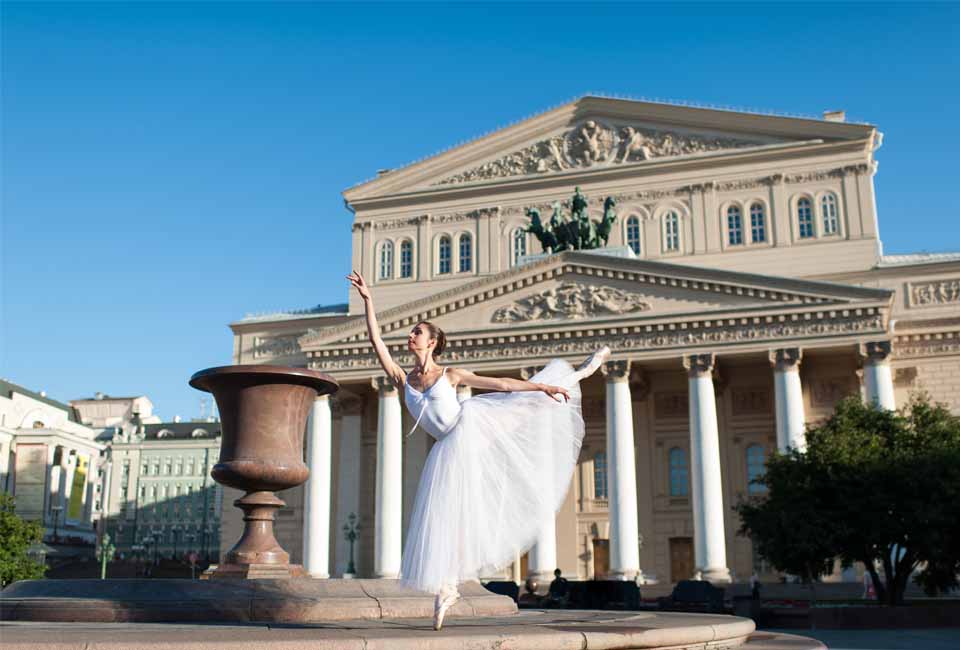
(488, 486)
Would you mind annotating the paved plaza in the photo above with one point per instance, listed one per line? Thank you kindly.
(920, 639)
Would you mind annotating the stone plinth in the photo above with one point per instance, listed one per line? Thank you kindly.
(291, 600)
(528, 630)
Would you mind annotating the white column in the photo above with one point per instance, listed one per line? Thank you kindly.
(316, 505)
(542, 558)
(877, 377)
(349, 473)
(389, 502)
(621, 474)
(710, 548)
(789, 398)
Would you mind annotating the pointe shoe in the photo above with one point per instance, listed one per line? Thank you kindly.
(443, 602)
(593, 363)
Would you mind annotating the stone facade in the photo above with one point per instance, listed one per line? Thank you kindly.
(743, 294)
(52, 464)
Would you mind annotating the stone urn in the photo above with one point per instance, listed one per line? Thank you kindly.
(263, 413)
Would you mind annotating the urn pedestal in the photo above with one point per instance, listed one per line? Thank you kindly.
(263, 412)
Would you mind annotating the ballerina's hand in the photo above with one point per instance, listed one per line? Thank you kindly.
(357, 281)
(557, 393)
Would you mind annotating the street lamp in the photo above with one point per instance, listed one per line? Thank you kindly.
(156, 534)
(137, 550)
(350, 533)
(105, 551)
(174, 530)
(56, 520)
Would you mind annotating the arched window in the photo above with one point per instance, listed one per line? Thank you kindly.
(600, 475)
(671, 231)
(678, 473)
(734, 225)
(758, 224)
(466, 253)
(633, 234)
(828, 209)
(386, 260)
(406, 259)
(805, 218)
(519, 239)
(444, 251)
(756, 465)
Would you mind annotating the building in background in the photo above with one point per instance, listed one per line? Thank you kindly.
(115, 414)
(743, 291)
(162, 500)
(53, 465)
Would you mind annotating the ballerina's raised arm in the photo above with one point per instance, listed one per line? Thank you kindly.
(391, 367)
(468, 378)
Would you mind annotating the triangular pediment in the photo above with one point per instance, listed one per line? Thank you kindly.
(575, 290)
(595, 133)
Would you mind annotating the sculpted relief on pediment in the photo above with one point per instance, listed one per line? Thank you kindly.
(594, 143)
(571, 300)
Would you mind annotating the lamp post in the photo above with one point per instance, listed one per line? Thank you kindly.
(56, 520)
(156, 546)
(105, 551)
(350, 533)
(137, 550)
(174, 530)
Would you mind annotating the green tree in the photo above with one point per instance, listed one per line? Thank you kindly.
(16, 536)
(873, 486)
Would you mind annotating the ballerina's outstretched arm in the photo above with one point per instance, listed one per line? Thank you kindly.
(468, 378)
(393, 370)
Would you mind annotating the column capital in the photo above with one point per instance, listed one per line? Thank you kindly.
(698, 365)
(529, 371)
(875, 352)
(344, 403)
(383, 385)
(616, 371)
(785, 359)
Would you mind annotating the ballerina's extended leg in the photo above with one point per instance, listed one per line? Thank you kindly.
(444, 601)
(593, 363)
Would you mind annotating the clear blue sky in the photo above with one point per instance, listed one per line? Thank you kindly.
(168, 168)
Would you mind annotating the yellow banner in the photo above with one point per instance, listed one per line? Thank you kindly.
(78, 490)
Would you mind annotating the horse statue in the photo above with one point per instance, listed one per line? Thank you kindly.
(548, 241)
(606, 224)
(566, 236)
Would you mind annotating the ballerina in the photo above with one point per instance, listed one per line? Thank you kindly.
(501, 466)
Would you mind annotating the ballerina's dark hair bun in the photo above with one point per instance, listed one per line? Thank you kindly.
(436, 333)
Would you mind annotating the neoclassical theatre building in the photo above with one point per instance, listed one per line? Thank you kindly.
(743, 291)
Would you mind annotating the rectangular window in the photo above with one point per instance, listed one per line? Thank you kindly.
(600, 476)
(734, 227)
(758, 229)
(445, 255)
(406, 260)
(671, 232)
(804, 219)
(466, 254)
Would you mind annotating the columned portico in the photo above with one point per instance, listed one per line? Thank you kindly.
(316, 518)
(788, 397)
(622, 477)
(389, 487)
(710, 550)
(877, 376)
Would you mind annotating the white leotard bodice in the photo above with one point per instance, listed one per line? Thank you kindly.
(436, 409)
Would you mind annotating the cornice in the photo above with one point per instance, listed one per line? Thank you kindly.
(642, 112)
(802, 328)
(647, 170)
(776, 291)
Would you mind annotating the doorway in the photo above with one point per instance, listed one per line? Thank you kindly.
(601, 558)
(681, 558)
